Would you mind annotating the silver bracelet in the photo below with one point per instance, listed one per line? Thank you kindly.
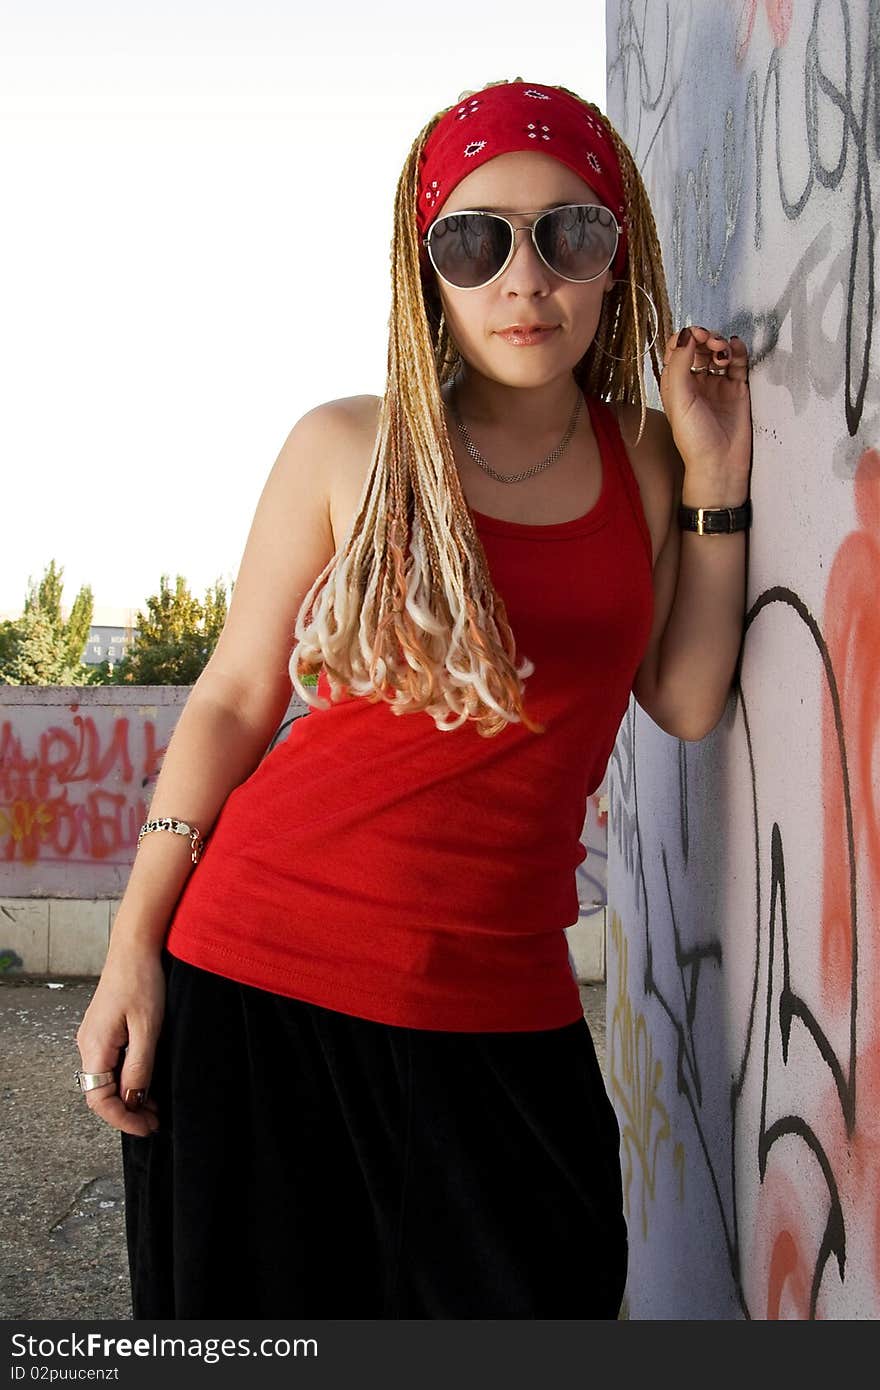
(180, 827)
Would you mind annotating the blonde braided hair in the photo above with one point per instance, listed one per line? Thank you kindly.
(406, 610)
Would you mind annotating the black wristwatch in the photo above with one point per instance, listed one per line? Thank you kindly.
(715, 521)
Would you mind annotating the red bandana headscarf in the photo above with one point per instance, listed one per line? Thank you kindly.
(519, 116)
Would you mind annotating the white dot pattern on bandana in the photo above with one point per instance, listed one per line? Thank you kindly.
(535, 130)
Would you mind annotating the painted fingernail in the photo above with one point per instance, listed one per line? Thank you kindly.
(132, 1099)
(722, 354)
(684, 337)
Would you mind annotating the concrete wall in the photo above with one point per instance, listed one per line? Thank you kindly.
(744, 871)
(77, 770)
(78, 766)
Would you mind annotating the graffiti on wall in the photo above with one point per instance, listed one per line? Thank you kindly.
(77, 776)
(81, 791)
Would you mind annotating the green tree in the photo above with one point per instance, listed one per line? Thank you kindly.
(78, 625)
(216, 608)
(40, 647)
(8, 639)
(175, 636)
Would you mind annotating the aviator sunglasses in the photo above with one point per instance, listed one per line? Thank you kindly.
(470, 249)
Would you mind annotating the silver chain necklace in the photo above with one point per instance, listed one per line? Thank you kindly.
(528, 472)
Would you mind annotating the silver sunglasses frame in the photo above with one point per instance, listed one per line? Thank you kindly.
(530, 227)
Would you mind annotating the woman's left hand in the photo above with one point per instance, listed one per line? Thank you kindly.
(710, 416)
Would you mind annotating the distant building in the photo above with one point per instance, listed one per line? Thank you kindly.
(110, 634)
(105, 644)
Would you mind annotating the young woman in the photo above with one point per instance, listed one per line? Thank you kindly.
(372, 1089)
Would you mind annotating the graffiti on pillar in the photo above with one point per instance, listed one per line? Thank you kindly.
(792, 1171)
(749, 865)
(635, 1076)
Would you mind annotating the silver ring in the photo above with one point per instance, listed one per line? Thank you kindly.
(717, 371)
(88, 1080)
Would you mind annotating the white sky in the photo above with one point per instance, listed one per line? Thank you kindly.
(168, 312)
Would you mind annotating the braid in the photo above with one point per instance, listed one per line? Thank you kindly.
(625, 314)
(406, 610)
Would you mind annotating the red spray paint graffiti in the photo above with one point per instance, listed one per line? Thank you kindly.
(853, 638)
(82, 795)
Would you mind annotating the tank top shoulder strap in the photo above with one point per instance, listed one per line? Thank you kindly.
(614, 451)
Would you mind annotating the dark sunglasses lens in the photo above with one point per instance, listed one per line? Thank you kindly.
(469, 248)
(578, 242)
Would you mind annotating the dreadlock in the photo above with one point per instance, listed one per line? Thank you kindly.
(406, 610)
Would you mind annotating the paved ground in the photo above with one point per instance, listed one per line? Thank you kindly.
(62, 1231)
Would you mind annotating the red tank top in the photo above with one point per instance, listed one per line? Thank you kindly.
(375, 865)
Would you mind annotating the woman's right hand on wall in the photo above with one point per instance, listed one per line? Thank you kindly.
(119, 1030)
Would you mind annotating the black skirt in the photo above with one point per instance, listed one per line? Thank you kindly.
(314, 1164)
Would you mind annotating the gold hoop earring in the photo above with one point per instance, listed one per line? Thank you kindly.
(648, 345)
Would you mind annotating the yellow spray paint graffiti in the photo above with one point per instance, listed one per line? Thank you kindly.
(678, 1165)
(23, 819)
(635, 1076)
